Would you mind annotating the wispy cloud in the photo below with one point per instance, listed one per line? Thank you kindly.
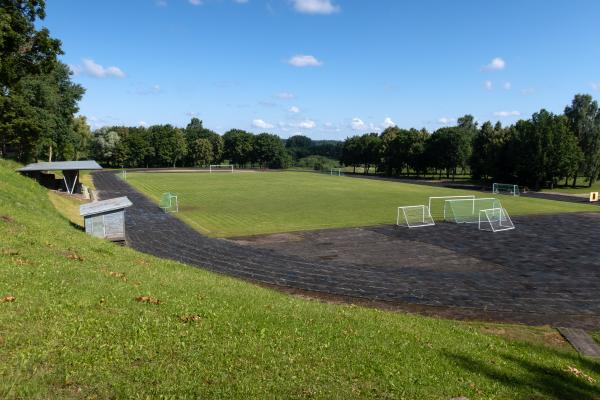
(302, 60)
(504, 114)
(488, 85)
(595, 85)
(527, 91)
(259, 123)
(240, 1)
(285, 95)
(507, 85)
(495, 65)
(196, 2)
(161, 3)
(306, 124)
(294, 109)
(91, 68)
(357, 124)
(154, 89)
(316, 6)
(446, 120)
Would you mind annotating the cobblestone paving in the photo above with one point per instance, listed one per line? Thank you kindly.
(547, 271)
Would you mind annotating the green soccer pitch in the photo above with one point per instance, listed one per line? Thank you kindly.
(238, 204)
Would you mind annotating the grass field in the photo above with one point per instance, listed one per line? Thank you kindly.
(83, 318)
(239, 204)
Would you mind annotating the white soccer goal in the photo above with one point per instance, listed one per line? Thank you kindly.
(335, 172)
(437, 205)
(505, 188)
(495, 220)
(169, 202)
(414, 216)
(220, 168)
(463, 211)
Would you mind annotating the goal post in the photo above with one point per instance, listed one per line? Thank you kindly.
(335, 172)
(414, 216)
(436, 205)
(220, 168)
(495, 220)
(463, 211)
(506, 188)
(169, 202)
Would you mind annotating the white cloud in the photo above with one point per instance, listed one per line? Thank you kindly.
(143, 123)
(495, 65)
(357, 124)
(195, 2)
(294, 110)
(301, 60)
(91, 68)
(387, 123)
(191, 114)
(504, 114)
(154, 89)
(446, 120)
(595, 85)
(259, 123)
(507, 85)
(488, 85)
(285, 95)
(306, 124)
(316, 6)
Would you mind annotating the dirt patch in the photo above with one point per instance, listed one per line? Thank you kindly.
(544, 336)
(7, 219)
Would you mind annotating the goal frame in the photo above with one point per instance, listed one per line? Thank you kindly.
(503, 217)
(451, 201)
(335, 172)
(425, 215)
(212, 166)
(173, 201)
(466, 197)
(497, 188)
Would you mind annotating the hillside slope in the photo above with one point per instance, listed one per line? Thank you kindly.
(80, 317)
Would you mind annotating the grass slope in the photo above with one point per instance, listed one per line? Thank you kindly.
(239, 204)
(82, 318)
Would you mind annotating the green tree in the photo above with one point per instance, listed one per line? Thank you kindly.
(268, 150)
(202, 152)
(238, 146)
(584, 120)
(352, 152)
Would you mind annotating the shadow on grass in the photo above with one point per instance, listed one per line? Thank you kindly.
(529, 376)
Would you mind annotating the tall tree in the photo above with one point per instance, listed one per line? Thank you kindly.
(238, 146)
(584, 120)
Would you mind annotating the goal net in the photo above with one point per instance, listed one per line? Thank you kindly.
(169, 202)
(505, 188)
(495, 220)
(414, 216)
(220, 168)
(463, 211)
(437, 205)
(336, 172)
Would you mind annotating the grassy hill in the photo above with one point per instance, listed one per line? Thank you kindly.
(82, 318)
(226, 204)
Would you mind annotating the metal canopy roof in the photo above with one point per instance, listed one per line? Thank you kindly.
(103, 206)
(61, 165)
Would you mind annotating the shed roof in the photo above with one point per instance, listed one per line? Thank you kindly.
(103, 206)
(61, 165)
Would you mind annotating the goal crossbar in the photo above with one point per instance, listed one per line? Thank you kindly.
(335, 172)
(498, 188)
(468, 196)
(495, 220)
(467, 210)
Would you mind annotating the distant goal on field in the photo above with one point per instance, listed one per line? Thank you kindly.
(220, 168)
(336, 172)
(506, 188)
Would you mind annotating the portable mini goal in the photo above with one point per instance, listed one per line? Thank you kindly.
(335, 172)
(506, 188)
(169, 202)
(220, 168)
(466, 211)
(437, 208)
(414, 216)
(495, 220)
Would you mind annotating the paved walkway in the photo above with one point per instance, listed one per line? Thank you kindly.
(545, 272)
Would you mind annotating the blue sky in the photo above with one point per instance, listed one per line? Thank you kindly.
(326, 68)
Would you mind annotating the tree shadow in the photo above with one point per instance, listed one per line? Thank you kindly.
(550, 382)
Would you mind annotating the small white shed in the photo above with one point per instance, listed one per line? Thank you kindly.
(106, 219)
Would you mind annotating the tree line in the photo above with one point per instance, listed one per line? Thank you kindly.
(538, 152)
(38, 101)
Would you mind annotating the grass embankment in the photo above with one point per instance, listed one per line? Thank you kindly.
(237, 204)
(82, 318)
